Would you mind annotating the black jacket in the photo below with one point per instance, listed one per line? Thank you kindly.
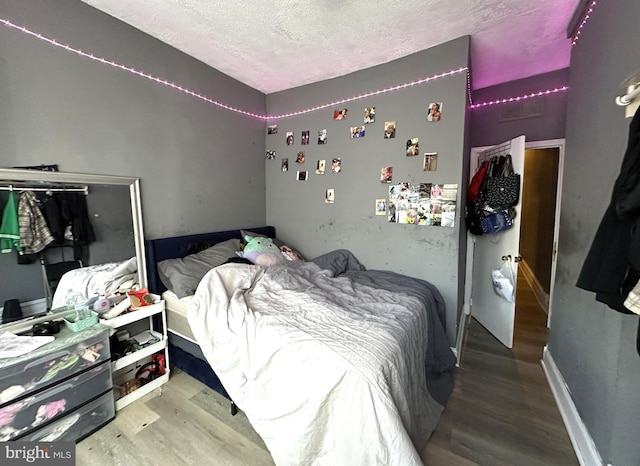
(612, 266)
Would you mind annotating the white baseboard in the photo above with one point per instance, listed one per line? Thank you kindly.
(541, 296)
(462, 325)
(581, 440)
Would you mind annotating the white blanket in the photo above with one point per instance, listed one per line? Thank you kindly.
(95, 279)
(329, 372)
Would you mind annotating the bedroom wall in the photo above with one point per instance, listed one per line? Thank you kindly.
(592, 345)
(201, 167)
(492, 124)
(298, 208)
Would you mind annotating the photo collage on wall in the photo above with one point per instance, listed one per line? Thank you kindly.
(425, 204)
(417, 204)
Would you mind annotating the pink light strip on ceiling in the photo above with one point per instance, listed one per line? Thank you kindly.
(584, 21)
(520, 98)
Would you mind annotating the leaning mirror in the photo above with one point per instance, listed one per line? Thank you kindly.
(95, 222)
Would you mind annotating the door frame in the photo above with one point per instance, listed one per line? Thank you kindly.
(560, 145)
(473, 158)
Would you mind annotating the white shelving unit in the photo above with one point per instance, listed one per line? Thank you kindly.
(134, 359)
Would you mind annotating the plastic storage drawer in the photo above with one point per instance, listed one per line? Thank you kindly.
(67, 355)
(28, 413)
(77, 424)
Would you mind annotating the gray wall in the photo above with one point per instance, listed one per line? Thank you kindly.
(297, 208)
(487, 128)
(201, 167)
(594, 346)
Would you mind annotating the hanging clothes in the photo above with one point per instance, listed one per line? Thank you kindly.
(9, 228)
(62, 210)
(612, 266)
(34, 232)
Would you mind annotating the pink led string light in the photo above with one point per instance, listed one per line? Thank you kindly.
(522, 97)
(214, 102)
(584, 21)
(129, 69)
(368, 94)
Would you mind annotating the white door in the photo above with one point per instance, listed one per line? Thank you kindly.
(495, 313)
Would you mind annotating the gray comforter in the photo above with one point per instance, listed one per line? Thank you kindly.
(330, 363)
(440, 361)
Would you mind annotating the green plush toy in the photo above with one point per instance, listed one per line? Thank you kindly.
(262, 251)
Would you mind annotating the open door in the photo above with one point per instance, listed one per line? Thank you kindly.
(496, 314)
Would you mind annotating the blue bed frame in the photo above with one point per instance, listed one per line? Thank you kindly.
(182, 353)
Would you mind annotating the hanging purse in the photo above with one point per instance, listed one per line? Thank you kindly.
(499, 220)
(478, 182)
(503, 188)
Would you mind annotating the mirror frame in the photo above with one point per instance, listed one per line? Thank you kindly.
(7, 175)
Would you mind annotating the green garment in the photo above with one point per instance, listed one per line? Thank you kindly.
(10, 229)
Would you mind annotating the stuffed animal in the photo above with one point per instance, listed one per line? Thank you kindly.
(262, 251)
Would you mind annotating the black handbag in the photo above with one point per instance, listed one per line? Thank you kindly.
(503, 187)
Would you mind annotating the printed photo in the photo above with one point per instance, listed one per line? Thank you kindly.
(273, 129)
(381, 207)
(430, 162)
(435, 111)
(303, 175)
(393, 192)
(336, 165)
(436, 191)
(389, 129)
(300, 157)
(435, 214)
(386, 175)
(305, 138)
(329, 196)
(271, 154)
(357, 132)
(449, 192)
(340, 114)
(369, 115)
(391, 212)
(285, 165)
(322, 136)
(289, 138)
(412, 147)
(320, 166)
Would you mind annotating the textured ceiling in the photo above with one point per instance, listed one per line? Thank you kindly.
(277, 45)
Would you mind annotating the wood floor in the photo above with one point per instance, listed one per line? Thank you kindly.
(501, 413)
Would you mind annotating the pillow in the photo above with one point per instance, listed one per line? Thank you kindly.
(182, 275)
(261, 250)
(287, 251)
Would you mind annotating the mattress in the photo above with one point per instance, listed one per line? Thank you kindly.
(176, 310)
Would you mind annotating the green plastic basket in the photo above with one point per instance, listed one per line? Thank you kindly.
(83, 324)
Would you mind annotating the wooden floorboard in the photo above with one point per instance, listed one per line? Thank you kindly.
(501, 412)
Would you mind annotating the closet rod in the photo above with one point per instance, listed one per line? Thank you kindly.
(84, 189)
(624, 100)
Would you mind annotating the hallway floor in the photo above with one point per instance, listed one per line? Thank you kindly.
(502, 411)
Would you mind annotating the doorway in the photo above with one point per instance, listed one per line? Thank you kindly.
(539, 225)
(537, 249)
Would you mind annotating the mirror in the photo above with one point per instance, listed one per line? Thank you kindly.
(114, 212)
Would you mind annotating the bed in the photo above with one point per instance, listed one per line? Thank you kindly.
(331, 363)
(87, 282)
